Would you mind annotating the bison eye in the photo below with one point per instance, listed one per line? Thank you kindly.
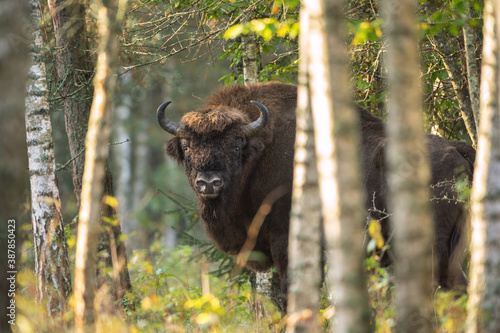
(236, 151)
(237, 148)
(185, 145)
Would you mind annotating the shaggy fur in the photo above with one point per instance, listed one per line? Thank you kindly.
(212, 140)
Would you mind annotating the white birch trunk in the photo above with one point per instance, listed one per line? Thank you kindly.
(51, 259)
(251, 58)
(122, 157)
(139, 182)
(484, 290)
(470, 40)
(337, 147)
(408, 171)
(304, 246)
(344, 228)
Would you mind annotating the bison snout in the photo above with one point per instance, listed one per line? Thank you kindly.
(209, 184)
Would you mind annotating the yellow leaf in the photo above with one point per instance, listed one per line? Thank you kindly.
(214, 302)
(233, 31)
(206, 318)
(283, 30)
(365, 25)
(110, 201)
(71, 241)
(375, 231)
(148, 267)
(52, 201)
(146, 303)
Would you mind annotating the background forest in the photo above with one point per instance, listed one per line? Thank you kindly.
(182, 50)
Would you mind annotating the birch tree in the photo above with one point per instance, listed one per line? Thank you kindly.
(484, 292)
(51, 258)
(471, 37)
(122, 157)
(324, 70)
(304, 250)
(251, 58)
(74, 78)
(96, 153)
(14, 63)
(408, 171)
(338, 141)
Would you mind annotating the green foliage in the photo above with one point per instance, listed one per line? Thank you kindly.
(276, 26)
(365, 31)
(380, 281)
(450, 308)
(168, 296)
(451, 17)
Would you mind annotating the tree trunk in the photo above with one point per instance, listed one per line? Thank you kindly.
(339, 169)
(251, 58)
(14, 64)
(484, 292)
(408, 171)
(75, 71)
(96, 153)
(345, 215)
(304, 248)
(51, 257)
(122, 158)
(471, 41)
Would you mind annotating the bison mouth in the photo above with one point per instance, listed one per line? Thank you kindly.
(209, 185)
(208, 196)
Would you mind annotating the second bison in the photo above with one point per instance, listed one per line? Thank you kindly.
(240, 147)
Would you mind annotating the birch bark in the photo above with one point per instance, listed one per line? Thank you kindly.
(473, 75)
(344, 210)
(51, 257)
(408, 171)
(304, 246)
(484, 292)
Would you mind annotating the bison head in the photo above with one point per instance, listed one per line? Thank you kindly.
(216, 145)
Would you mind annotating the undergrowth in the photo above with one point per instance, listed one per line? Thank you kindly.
(187, 289)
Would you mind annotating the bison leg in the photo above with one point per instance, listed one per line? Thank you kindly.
(279, 253)
(450, 244)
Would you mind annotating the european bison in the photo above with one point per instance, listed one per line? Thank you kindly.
(235, 153)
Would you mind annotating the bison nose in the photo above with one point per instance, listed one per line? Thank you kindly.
(209, 184)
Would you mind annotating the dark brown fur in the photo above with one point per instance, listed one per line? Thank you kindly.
(212, 139)
(450, 160)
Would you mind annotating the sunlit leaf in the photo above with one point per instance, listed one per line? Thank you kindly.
(375, 231)
(234, 31)
(110, 201)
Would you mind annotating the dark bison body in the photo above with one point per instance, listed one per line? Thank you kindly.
(235, 153)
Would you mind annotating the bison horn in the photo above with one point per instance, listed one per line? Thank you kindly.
(261, 122)
(166, 124)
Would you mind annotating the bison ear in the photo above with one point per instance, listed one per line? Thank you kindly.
(173, 149)
(252, 150)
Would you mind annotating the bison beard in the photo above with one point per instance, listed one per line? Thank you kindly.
(235, 154)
